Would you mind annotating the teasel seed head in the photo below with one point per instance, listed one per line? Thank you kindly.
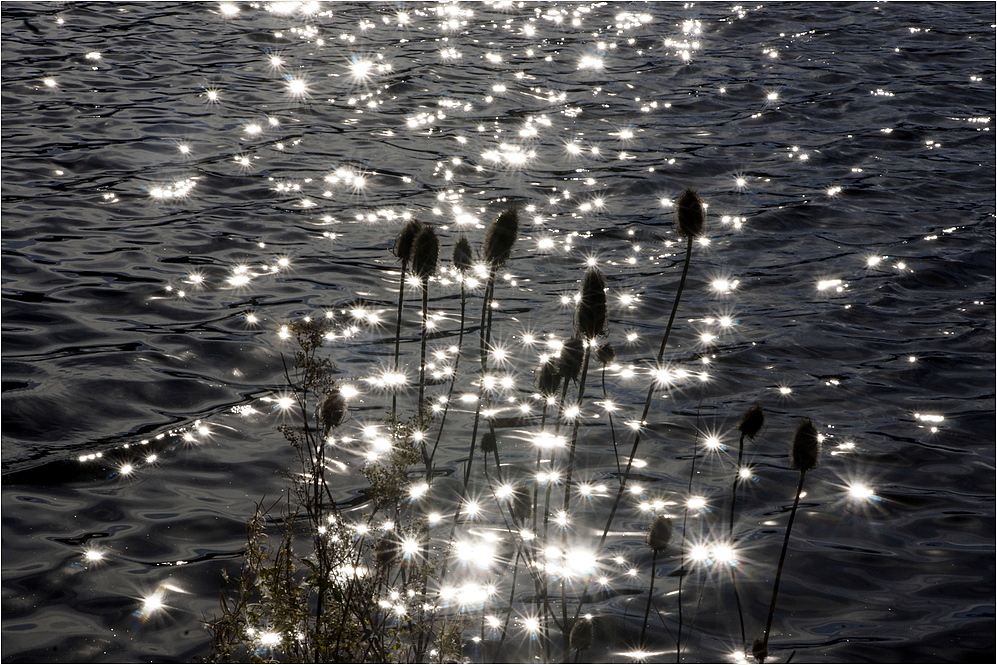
(759, 650)
(751, 421)
(331, 410)
(805, 455)
(660, 533)
(572, 355)
(548, 380)
(581, 635)
(405, 238)
(605, 354)
(500, 238)
(488, 443)
(591, 313)
(425, 252)
(462, 257)
(690, 215)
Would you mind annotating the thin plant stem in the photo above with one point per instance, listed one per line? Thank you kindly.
(650, 394)
(422, 358)
(650, 595)
(612, 426)
(398, 334)
(483, 354)
(782, 560)
(730, 535)
(737, 482)
(567, 491)
(456, 363)
(647, 408)
(740, 611)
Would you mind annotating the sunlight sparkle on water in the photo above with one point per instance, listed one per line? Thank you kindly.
(860, 492)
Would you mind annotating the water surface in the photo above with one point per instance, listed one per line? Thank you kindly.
(181, 179)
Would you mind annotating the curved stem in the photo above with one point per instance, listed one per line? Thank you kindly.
(567, 491)
(782, 560)
(453, 377)
(612, 426)
(647, 408)
(483, 336)
(398, 335)
(650, 595)
(650, 394)
(737, 481)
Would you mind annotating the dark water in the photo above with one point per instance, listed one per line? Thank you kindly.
(857, 131)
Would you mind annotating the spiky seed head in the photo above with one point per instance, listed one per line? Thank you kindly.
(500, 238)
(425, 252)
(405, 238)
(751, 421)
(548, 380)
(805, 454)
(591, 313)
(605, 354)
(572, 355)
(759, 650)
(462, 257)
(690, 215)
(521, 505)
(581, 635)
(660, 533)
(331, 410)
(488, 443)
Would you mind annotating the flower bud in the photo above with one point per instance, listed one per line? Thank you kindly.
(660, 533)
(751, 421)
(805, 454)
(425, 252)
(591, 313)
(405, 238)
(548, 380)
(572, 355)
(500, 238)
(605, 354)
(690, 216)
(462, 257)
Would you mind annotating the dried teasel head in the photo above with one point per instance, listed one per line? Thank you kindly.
(331, 410)
(548, 380)
(462, 257)
(605, 354)
(805, 454)
(581, 634)
(690, 215)
(500, 238)
(591, 312)
(425, 252)
(405, 238)
(572, 355)
(660, 533)
(751, 421)
(759, 650)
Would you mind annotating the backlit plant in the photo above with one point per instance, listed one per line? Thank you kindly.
(442, 559)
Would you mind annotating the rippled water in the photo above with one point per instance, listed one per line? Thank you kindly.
(166, 183)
